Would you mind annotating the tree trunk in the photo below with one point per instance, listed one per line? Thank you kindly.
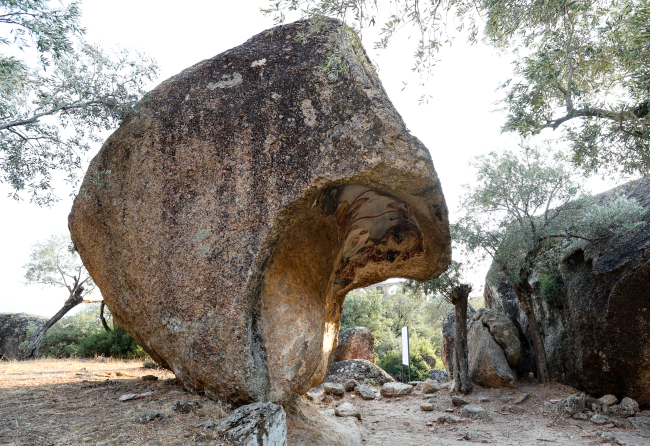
(538, 343)
(459, 299)
(101, 316)
(35, 343)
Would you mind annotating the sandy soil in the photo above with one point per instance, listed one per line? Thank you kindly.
(400, 421)
(75, 402)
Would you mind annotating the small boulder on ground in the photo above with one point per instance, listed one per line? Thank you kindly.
(600, 419)
(257, 424)
(474, 412)
(361, 370)
(355, 343)
(447, 419)
(350, 385)
(430, 386)
(607, 400)
(621, 411)
(185, 406)
(334, 389)
(571, 405)
(426, 406)
(365, 392)
(396, 389)
(458, 401)
(439, 375)
(145, 417)
(347, 410)
(629, 402)
(640, 422)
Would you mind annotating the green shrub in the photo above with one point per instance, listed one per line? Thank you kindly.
(392, 363)
(551, 288)
(116, 343)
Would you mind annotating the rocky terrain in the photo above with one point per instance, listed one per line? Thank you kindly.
(64, 402)
(14, 330)
(597, 333)
(246, 196)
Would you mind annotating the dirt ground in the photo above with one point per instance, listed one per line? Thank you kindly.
(76, 402)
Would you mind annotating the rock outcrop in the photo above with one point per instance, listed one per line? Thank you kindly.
(15, 328)
(597, 335)
(493, 348)
(228, 216)
(355, 343)
(359, 369)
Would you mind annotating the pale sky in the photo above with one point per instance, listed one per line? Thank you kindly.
(456, 125)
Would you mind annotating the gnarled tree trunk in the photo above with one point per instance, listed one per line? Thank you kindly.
(101, 316)
(75, 299)
(459, 298)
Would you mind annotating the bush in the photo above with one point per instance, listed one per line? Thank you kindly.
(551, 288)
(116, 343)
(392, 363)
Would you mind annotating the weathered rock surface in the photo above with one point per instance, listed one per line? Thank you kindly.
(474, 412)
(334, 389)
(358, 369)
(597, 338)
(571, 405)
(430, 386)
(439, 375)
(246, 196)
(489, 360)
(640, 422)
(607, 400)
(347, 410)
(14, 330)
(263, 424)
(355, 343)
(365, 392)
(396, 389)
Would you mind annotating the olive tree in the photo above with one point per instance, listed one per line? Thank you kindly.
(54, 105)
(525, 212)
(55, 262)
(581, 66)
(450, 287)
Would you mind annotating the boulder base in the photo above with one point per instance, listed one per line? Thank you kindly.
(229, 215)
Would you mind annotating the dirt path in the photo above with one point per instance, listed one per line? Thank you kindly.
(75, 402)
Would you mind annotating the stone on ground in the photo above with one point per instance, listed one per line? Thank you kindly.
(333, 389)
(621, 411)
(185, 406)
(355, 343)
(571, 405)
(430, 386)
(600, 419)
(474, 412)
(439, 375)
(426, 406)
(640, 422)
(257, 424)
(607, 400)
(350, 385)
(447, 419)
(458, 401)
(348, 410)
(223, 240)
(629, 402)
(359, 369)
(396, 389)
(365, 392)
(145, 417)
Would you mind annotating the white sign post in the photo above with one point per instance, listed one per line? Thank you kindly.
(406, 354)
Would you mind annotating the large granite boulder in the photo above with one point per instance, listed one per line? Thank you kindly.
(597, 335)
(16, 328)
(355, 343)
(228, 216)
(492, 349)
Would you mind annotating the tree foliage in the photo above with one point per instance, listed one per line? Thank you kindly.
(54, 110)
(581, 65)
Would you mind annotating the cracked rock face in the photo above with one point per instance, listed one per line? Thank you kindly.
(246, 196)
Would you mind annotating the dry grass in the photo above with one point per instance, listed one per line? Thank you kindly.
(75, 402)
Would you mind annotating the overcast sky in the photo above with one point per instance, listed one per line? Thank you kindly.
(458, 123)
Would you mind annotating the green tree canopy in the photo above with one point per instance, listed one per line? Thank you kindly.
(581, 66)
(525, 212)
(53, 110)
